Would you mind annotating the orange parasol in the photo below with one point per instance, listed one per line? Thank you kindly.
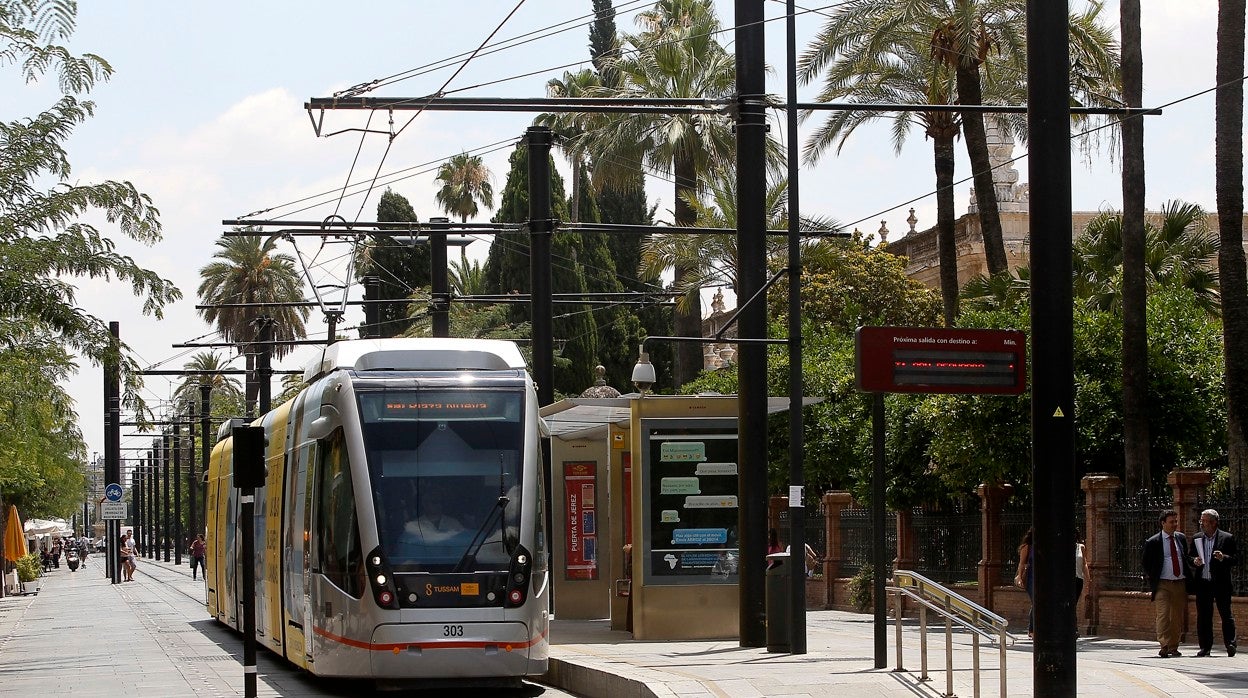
(14, 537)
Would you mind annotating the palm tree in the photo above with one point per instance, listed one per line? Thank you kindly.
(676, 55)
(465, 181)
(936, 52)
(1229, 192)
(247, 270)
(226, 387)
(1136, 447)
(1179, 249)
(568, 126)
(901, 73)
(711, 258)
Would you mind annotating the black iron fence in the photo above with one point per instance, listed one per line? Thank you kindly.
(1132, 520)
(949, 542)
(1233, 517)
(1016, 518)
(856, 540)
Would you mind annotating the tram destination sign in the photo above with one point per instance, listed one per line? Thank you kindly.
(939, 360)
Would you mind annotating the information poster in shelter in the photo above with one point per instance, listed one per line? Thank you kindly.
(691, 485)
(581, 526)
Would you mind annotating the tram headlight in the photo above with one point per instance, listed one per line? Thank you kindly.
(381, 580)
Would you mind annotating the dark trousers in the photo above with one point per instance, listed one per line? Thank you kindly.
(1206, 599)
(197, 562)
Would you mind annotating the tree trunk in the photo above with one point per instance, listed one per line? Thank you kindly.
(969, 92)
(688, 320)
(946, 245)
(1229, 192)
(1138, 474)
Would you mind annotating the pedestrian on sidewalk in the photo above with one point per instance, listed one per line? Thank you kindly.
(197, 555)
(127, 556)
(1215, 555)
(1165, 559)
(1023, 577)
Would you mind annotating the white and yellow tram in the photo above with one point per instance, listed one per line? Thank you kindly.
(399, 532)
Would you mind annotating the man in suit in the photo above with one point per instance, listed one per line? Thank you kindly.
(1166, 563)
(1215, 555)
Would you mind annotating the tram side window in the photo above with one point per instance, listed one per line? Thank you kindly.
(338, 536)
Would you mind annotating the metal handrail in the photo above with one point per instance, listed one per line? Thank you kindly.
(955, 608)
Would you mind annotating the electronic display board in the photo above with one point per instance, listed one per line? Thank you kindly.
(940, 360)
(689, 488)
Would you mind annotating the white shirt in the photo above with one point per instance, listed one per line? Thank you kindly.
(1167, 567)
(1205, 548)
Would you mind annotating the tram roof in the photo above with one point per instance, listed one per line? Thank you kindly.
(421, 354)
(588, 418)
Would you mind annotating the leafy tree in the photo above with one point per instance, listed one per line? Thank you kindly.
(507, 271)
(676, 55)
(44, 241)
(248, 270)
(400, 265)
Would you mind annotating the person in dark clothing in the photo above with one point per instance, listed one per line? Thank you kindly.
(197, 555)
(1166, 562)
(1215, 555)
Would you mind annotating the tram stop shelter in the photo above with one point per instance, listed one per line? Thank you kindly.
(645, 512)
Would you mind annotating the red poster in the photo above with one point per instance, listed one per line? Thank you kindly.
(581, 525)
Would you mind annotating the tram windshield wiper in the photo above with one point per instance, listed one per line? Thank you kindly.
(474, 545)
(496, 514)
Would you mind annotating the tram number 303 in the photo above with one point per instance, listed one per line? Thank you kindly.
(452, 631)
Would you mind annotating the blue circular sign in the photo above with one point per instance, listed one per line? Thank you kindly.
(113, 492)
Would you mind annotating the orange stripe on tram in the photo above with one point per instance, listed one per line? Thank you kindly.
(435, 645)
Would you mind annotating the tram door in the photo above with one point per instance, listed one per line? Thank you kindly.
(337, 580)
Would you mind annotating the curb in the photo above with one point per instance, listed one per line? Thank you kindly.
(597, 683)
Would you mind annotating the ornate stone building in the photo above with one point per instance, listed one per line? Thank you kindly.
(1013, 200)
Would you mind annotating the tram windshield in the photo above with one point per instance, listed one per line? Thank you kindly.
(445, 466)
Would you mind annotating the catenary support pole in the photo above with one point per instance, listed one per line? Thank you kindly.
(438, 286)
(205, 451)
(177, 494)
(797, 476)
(752, 323)
(541, 230)
(1052, 347)
(165, 523)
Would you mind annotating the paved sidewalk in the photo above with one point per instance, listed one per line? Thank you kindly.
(152, 637)
(590, 659)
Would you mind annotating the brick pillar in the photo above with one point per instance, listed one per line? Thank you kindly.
(833, 503)
(992, 501)
(1188, 485)
(1100, 491)
(907, 546)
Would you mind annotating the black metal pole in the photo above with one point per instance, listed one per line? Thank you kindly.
(797, 476)
(752, 323)
(205, 449)
(153, 499)
(247, 526)
(177, 494)
(438, 286)
(112, 447)
(1052, 345)
(140, 514)
(878, 505)
(264, 364)
(164, 500)
(541, 227)
(372, 292)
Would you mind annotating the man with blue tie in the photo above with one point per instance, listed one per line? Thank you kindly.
(1211, 567)
(1166, 564)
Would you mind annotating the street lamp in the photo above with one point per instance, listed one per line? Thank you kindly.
(643, 372)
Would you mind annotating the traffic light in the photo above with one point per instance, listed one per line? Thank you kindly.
(250, 470)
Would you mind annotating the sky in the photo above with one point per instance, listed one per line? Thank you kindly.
(205, 114)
